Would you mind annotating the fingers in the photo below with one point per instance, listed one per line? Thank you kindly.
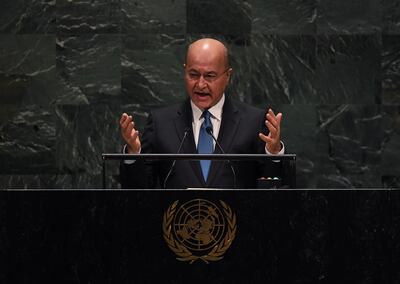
(133, 136)
(129, 133)
(272, 130)
(265, 138)
(272, 140)
(128, 127)
(125, 121)
(275, 120)
(273, 123)
(124, 116)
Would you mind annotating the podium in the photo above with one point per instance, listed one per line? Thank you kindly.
(283, 167)
(274, 236)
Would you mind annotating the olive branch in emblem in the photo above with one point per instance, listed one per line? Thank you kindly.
(217, 252)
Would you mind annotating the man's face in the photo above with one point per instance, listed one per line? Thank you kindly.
(206, 76)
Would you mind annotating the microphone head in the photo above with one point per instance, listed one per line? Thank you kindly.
(209, 130)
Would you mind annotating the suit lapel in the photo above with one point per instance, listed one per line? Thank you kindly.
(182, 122)
(229, 125)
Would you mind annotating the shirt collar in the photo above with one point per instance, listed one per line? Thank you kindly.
(216, 110)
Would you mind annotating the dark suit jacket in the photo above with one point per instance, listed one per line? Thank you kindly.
(164, 131)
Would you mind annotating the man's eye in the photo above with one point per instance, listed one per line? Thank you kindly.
(209, 76)
(194, 75)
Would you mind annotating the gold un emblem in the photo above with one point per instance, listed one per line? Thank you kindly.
(199, 229)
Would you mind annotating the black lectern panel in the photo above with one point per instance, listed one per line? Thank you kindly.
(271, 236)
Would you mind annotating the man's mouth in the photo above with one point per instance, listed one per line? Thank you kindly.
(202, 94)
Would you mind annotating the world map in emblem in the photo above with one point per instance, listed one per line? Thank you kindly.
(199, 224)
(199, 229)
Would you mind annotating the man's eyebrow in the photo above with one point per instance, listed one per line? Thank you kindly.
(207, 72)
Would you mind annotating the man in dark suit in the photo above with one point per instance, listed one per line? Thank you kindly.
(239, 129)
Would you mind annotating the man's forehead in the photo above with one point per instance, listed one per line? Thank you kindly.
(207, 52)
(205, 59)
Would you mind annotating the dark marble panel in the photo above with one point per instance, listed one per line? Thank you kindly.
(391, 16)
(27, 142)
(231, 18)
(27, 129)
(62, 181)
(298, 129)
(158, 16)
(90, 180)
(80, 17)
(30, 181)
(88, 68)
(390, 181)
(348, 17)
(348, 69)
(13, 90)
(83, 133)
(27, 71)
(24, 17)
(391, 145)
(26, 54)
(390, 69)
(283, 69)
(152, 69)
(283, 16)
(240, 60)
(268, 70)
(349, 146)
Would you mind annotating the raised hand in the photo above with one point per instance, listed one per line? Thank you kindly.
(130, 134)
(273, 140)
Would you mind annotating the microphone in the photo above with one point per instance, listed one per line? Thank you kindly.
(210, 131)
(187, 129)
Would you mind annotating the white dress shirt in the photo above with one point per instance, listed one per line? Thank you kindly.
(216, 115)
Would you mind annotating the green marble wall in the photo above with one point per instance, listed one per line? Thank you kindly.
(68, 69)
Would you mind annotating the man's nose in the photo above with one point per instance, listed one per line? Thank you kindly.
(201, 83)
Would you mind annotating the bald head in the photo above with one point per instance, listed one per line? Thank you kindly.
(210, 48)
(207, 72)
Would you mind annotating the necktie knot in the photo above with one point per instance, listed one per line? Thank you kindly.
(207, 119)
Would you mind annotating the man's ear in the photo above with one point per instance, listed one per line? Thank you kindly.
(229, 73)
